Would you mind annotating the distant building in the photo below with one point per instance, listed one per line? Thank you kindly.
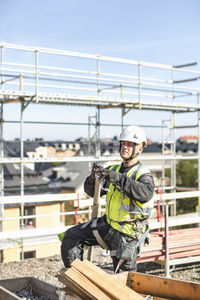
(188, 139)
(46, 152)
(64, 178)
(34, 182)
(187, 144)
(11, 249)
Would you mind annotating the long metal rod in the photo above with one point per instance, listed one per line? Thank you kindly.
(2, 66)
(184, 220)
(1, 168)
(82, 71)
(95, 211)
(166, 83)
(92, 101)
(173, 148)
(1, 150)
(95, 57)
(198, 134)
(113, 89)
(126, 83)
(163, 165)
(36, 75)
(22, 176)
(17, 160)
(139, 85)
(79, 123)
(167, 261)
(98, 154)
(86, 201)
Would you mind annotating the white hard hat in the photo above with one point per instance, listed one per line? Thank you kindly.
(133, 134)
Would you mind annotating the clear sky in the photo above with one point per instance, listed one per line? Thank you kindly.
(166, 32)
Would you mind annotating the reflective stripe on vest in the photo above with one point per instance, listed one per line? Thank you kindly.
(120, 210)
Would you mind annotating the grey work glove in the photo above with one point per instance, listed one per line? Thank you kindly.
(95, 168)
(109, 176)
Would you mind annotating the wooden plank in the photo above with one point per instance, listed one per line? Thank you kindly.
(172, 257)
(95, 209)
(70, 285)
(150, 258)
(155, 256)
(184, 254)
(105, 281)
(164, 287)
(184, 244)
(180, 232)
(151, 247)
(172, 248)
(184, 249)
(181, 240)
(7, 295)
(80, 285)
(185, 238)
(151, 253)
(184, 260)
(122, 277)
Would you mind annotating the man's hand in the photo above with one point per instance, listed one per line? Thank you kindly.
(109, 175)
(95, 168)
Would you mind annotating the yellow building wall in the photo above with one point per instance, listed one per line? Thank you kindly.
(50, 221)
(46, 250)
(9, 225)
(49, 249)
(11, 254)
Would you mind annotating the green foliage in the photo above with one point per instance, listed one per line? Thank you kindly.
(186, 176)
(57, 163)
(186, 205)
(187, 173)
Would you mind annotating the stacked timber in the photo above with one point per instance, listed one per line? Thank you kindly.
(87, 281)
(182, 243)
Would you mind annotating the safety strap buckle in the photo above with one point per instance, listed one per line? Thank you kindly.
(97, 235)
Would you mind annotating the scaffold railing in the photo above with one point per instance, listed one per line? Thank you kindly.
(51, 76)
(97, 83)
(84, 204)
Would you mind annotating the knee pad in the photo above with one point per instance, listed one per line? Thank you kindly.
(70, 251)
(128, 265)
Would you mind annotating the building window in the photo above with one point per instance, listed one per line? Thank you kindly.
(28, 254)
(1, 256)
(29, 211)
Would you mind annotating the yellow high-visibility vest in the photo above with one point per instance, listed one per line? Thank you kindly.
(120, 210)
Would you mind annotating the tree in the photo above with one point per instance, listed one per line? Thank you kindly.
(187, 173)
(186, 176)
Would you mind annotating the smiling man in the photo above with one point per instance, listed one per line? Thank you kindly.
(129, 189)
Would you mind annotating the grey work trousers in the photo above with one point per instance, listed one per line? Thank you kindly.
(80, 235)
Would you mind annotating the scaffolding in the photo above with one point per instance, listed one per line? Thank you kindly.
(33, 75)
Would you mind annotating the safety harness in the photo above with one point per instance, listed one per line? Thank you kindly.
(102, 243)
(140, 238)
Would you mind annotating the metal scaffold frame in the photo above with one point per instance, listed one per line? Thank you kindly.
(96, 84)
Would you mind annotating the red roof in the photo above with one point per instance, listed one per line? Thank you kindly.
(188, 137)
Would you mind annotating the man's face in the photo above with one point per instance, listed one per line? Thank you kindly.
(128, 148)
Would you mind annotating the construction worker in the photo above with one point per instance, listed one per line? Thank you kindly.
(129, 187)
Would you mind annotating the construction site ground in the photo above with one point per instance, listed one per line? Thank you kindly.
(46, 268)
